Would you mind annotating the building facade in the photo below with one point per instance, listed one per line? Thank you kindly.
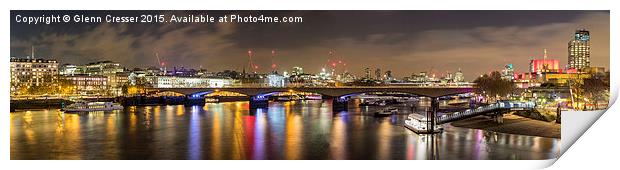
(579, 50)
(189, 82)
(28, 74)
(84, 84)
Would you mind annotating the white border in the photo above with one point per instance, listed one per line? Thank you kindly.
(595, 149)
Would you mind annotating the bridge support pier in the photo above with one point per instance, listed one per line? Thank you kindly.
(191, 101)
(340, 104)
(432, 114)
(259, 101)
(498, 118)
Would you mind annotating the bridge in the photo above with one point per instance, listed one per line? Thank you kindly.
(339, 95)
(495, 110)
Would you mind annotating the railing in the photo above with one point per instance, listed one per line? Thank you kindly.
(485, 109)
(302, 86)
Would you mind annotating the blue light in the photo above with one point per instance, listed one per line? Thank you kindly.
(199, 94)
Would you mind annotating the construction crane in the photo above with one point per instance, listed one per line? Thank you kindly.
(162, 64)
(273, 64)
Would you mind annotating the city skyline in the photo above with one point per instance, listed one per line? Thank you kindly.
(402, 47)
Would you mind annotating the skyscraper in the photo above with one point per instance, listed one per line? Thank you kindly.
(579, 50)
(508, 72)
(378, 74)
(367, 73)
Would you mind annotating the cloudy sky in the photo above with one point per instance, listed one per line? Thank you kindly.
(404, 42)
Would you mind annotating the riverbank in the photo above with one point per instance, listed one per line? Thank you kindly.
(513, 124)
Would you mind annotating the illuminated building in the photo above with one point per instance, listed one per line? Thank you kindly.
(525, 80)
(276, 80)
(71, 69)
(508, 72)
(188, 82)
(458, 76)
(32, 73)
(297, 71)
(367, 73)
(346, 77)
(545, 65)
(88, 84)
(579, 50)
(116, 83)
(378, 74)
(103, 68)
(113, 71)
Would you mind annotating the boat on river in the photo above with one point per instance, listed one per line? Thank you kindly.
(386, 112)
(84, 106)
(419, 124)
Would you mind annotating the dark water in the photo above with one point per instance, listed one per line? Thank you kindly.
(288, 130)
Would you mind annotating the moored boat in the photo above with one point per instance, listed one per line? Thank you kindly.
(84, 106)
(419, 124)
(386, 112)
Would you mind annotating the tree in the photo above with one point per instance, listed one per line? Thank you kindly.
(595, 89)
(494, 86)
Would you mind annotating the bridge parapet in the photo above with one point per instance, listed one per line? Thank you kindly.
(329, 91)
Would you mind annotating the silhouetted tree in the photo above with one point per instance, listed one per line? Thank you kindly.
(494, 86)
(595, 88)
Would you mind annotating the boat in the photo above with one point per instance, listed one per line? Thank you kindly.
(386, 112)
(84, 106)
(283, 98)
(312, 97)
(419, 124)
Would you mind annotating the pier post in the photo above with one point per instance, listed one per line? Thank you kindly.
(432, 114)
(340, 104)
(259, 101)
(558, 115)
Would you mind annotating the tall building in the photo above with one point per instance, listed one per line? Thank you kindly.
(508, 72)
(29, 73)
(579, 50)
(367, 73)
(378, 74)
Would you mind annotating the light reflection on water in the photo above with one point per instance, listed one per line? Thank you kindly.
(285, 130)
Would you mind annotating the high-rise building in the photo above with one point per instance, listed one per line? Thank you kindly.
(367, 72)
(508, 72)
(579, 50)
(378, 74)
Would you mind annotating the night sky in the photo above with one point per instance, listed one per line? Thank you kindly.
(404, 42)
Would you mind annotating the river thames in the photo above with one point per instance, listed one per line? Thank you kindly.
(286, 130)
